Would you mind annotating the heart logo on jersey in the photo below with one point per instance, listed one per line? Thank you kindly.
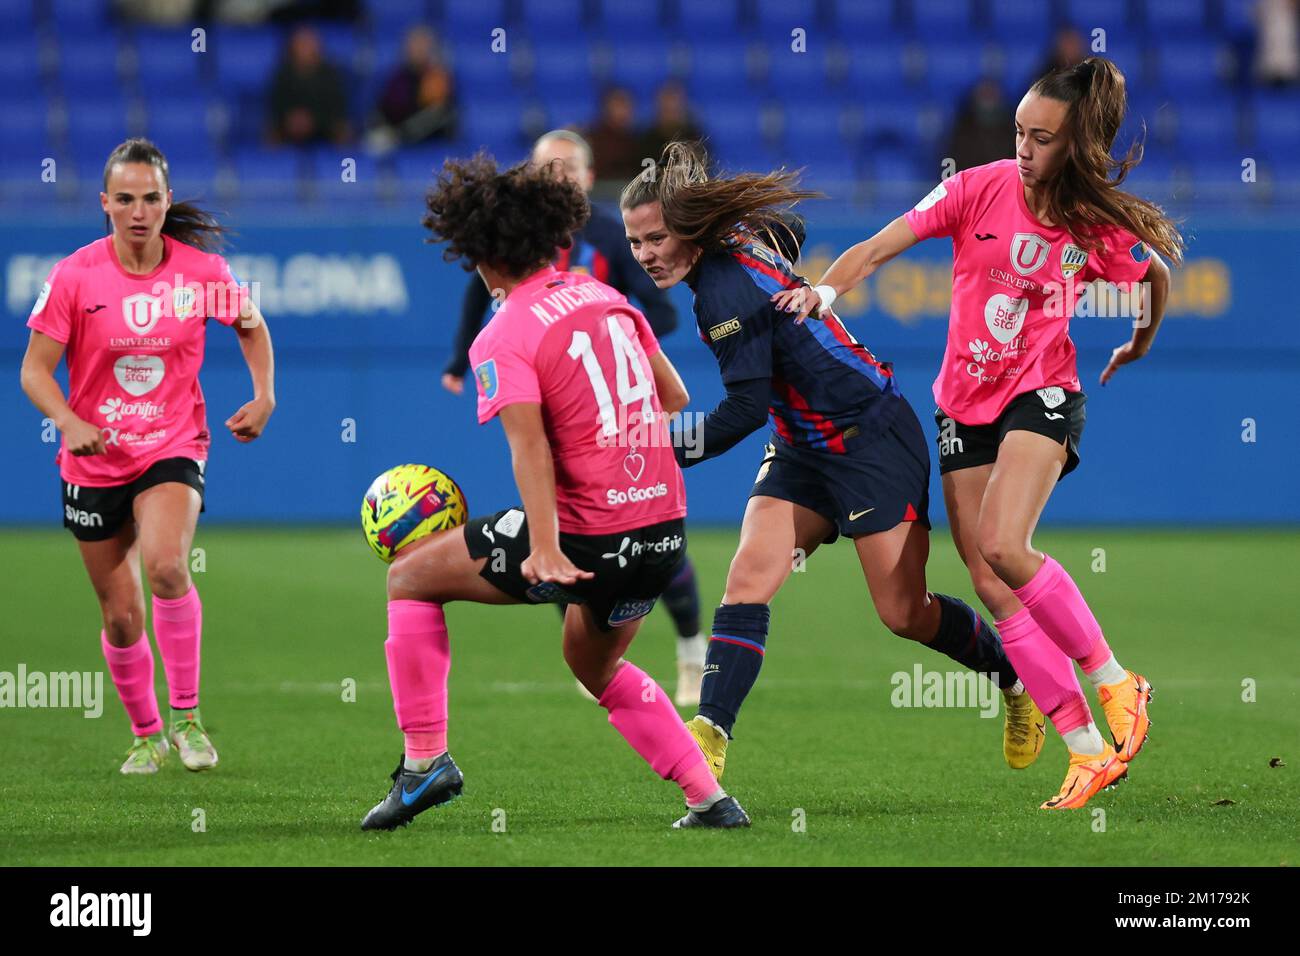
(1004, 316)
(139, 374)
(634, 465)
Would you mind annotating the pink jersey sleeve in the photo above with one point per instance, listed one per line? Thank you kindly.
(227, 307)
(645, 335)
(52, 314)
(1123, 257)
(940, 212)
(505, 376)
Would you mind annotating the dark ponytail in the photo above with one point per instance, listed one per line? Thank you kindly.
(1083, 195)
(185, 221)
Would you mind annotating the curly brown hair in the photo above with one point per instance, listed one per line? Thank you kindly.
(512, 220)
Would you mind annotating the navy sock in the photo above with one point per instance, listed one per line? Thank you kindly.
(969, 640)
(736, 651)
(682, 598)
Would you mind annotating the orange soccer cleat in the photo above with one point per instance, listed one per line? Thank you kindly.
(1088, 775)
(1125, 705)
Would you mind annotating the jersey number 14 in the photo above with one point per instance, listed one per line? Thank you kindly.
(627, 368)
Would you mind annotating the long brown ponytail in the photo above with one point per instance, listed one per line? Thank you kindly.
(185, 221)
(709, 212)
(1083, 196)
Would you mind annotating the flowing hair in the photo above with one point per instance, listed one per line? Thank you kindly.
(713, 212)
(1083, 196)
(185, 221)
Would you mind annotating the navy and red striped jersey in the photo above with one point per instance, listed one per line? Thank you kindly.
(827, 388)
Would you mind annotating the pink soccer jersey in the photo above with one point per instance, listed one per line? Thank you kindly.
(134, 345)
(577, 347)
(1009, 327)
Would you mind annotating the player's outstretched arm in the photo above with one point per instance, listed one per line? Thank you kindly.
(535, 476)
(668, 384)
(853, 266)
(40, 361)
(1151, 313)
(255, 342)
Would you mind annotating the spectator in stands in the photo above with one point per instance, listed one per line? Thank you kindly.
(1277, 45)
(1068, 49)
(308, 99)
(418, 102)
(979, 134)
(672, 121)
(614, 139)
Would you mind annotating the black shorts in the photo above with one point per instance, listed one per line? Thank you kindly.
(97, 514)
(880, 482)
(1053, 412)
(632, 568)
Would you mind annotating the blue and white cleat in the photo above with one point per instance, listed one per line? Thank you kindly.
(726, 814)
(415, 792)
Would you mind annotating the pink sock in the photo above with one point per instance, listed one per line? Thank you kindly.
(1096, 657)
(641, 711)
(178, 629)
(419, 660)
(132, 671)
(1047, 673)
(1053, 599)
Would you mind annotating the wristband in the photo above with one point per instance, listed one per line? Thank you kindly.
(827, 294)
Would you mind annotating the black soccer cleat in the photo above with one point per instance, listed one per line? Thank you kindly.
(413, 793)
(726, 814)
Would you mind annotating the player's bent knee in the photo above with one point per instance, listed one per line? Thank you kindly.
(123, 625)
(168, 577)
(904, 618)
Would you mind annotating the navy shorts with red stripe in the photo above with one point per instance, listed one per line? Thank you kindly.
(878, 482)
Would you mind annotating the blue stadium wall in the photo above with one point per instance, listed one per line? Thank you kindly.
(362, 315)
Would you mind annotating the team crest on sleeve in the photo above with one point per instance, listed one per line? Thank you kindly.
(1072, 259)
(1028, 252)
(935, 194)
(141, 313)
(1139, 251)
(487, 378)
(41, 299)
(183, 302)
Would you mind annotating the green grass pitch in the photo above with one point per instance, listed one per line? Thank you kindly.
(289, 615)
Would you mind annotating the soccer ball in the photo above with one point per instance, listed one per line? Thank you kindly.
(406, 503)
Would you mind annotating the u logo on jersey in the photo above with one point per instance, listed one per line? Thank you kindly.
(141, 312)
(1028, 252)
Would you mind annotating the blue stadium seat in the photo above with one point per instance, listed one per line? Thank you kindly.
(630, 18)
(857, 19)
(1276, 123)
(166, 60)
(699, 22)
(1109, 14)
(1190, 66)
(474, 21)
(831, 172)
(1167, 17)
(1209, 125)
(493, 125)
(420, 164)
(814, 127)
(898, 166)
(642, 66)
(18, 15)
(323, 169)
(875, 65)
(95, 126)
(565, 64)
(1130, 57)
(567, 106)
(340, 43)
(87, 65)
(798, 75)
(1239, 17)
(777, 18)
(946, 19)
(24, 127)
(731, 128)
(270, 171)
(20, 68)
(246, 58)
(179, 124)
(953, 67)
(80, 18)
(193, 176)
(1026, 22)
(483, 74)
(562, 20)
(718, 63)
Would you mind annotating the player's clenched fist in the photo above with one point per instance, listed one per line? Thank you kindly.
(83, 438)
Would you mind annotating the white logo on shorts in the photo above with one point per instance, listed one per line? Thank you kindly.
(510, 523)
(1052, 396)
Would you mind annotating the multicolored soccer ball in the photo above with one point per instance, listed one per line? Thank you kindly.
(406, 503)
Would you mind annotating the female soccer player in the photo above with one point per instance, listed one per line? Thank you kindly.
(600, 250)
(563, 363)
(847, 457)
(1010, 406)
(130, 312)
